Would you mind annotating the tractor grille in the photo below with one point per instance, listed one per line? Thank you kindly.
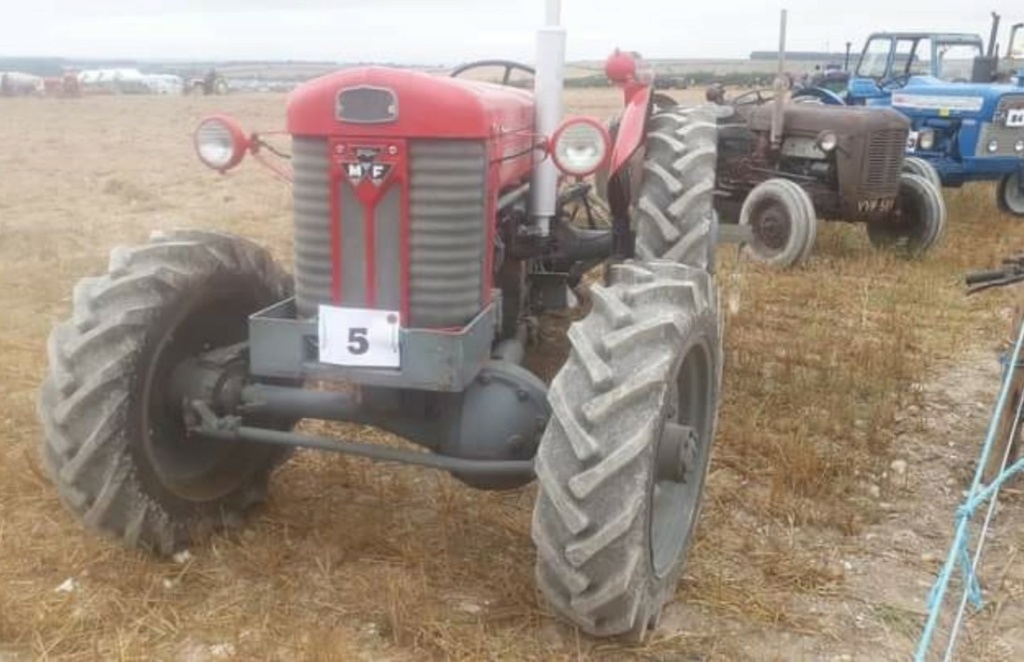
(311, 202)
(1005, 136)
(447, 200)
(1006, 103)
(883, 161)
(447, 239)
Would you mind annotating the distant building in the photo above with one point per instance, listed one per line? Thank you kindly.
(801, 56)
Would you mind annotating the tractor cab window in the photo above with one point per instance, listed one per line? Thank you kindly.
(921, 61)
(905, 60)
(1017, 43)
(955, 61)
(875, 59)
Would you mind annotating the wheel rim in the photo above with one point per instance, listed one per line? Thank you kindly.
(906, 228)
(1012, 195)
(772, 226)
(681, 457)
(193, 469)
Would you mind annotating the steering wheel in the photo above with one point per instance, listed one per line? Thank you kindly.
(895, 82)
(753, 97)
(509, 65)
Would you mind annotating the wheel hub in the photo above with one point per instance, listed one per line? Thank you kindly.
(772, 227)
(682, 454)
(675, 453)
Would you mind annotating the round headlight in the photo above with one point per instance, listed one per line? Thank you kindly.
(827, 141)
(580, 147)
(993, 145)
(220, 143)
(926, 139)
(1018, 146)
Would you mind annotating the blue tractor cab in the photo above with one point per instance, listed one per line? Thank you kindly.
(965, 104)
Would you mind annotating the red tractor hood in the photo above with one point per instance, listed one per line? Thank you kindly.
(428, 106)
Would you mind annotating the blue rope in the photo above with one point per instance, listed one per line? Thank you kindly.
(959, 551)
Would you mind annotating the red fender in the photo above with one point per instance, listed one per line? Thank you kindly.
(622, 70)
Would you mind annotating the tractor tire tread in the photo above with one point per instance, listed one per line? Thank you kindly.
(675, 217)
(597, 454)
(84, 399)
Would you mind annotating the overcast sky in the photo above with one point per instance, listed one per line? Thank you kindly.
(449, 31)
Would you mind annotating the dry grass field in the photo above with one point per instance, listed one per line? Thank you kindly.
(855, 393)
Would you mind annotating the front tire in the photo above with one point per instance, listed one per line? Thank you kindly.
(915, 165)
(621, 466)
(783, 223)
(622, 462)
(918, 222)
(1009, 196)
(115, 443)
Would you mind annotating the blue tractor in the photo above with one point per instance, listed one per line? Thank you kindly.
(965, 104)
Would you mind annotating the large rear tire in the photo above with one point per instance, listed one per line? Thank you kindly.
(115, 443)
(622, 462)
(782, 220)
(918, 221)
(675, 218)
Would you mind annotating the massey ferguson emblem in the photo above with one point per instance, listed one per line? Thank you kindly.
(366, 167)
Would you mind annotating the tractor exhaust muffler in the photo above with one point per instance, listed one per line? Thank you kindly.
(547, 90)
(781, 86)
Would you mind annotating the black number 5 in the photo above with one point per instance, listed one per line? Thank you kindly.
(357, 342)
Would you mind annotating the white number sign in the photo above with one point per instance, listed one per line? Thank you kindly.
(359, 337)
(1015, 117)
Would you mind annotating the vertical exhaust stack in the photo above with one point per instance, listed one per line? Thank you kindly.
(992, 36)
(547, 89)
(781, 85)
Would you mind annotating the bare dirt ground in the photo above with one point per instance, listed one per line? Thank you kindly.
(857, 391)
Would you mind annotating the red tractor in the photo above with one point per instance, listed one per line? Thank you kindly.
(431, 223)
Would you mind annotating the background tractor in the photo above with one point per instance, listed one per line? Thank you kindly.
(430, 225)
(782, 166)
(964, 124)
(211, 83)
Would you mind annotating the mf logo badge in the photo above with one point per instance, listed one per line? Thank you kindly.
(367, 167)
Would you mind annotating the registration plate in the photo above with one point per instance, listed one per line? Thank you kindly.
(883, 205)
(1015, 117)
(359, 337)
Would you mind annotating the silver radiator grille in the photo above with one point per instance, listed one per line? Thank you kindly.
(883, 161)
(1005, 136)
(447, 239)
(311, 203)
(448, 209)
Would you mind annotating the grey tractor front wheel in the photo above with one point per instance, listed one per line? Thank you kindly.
(1010, 195)
(622, 463)
(918, 221)
(915, 165)
(115, 441)
(782, 222)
